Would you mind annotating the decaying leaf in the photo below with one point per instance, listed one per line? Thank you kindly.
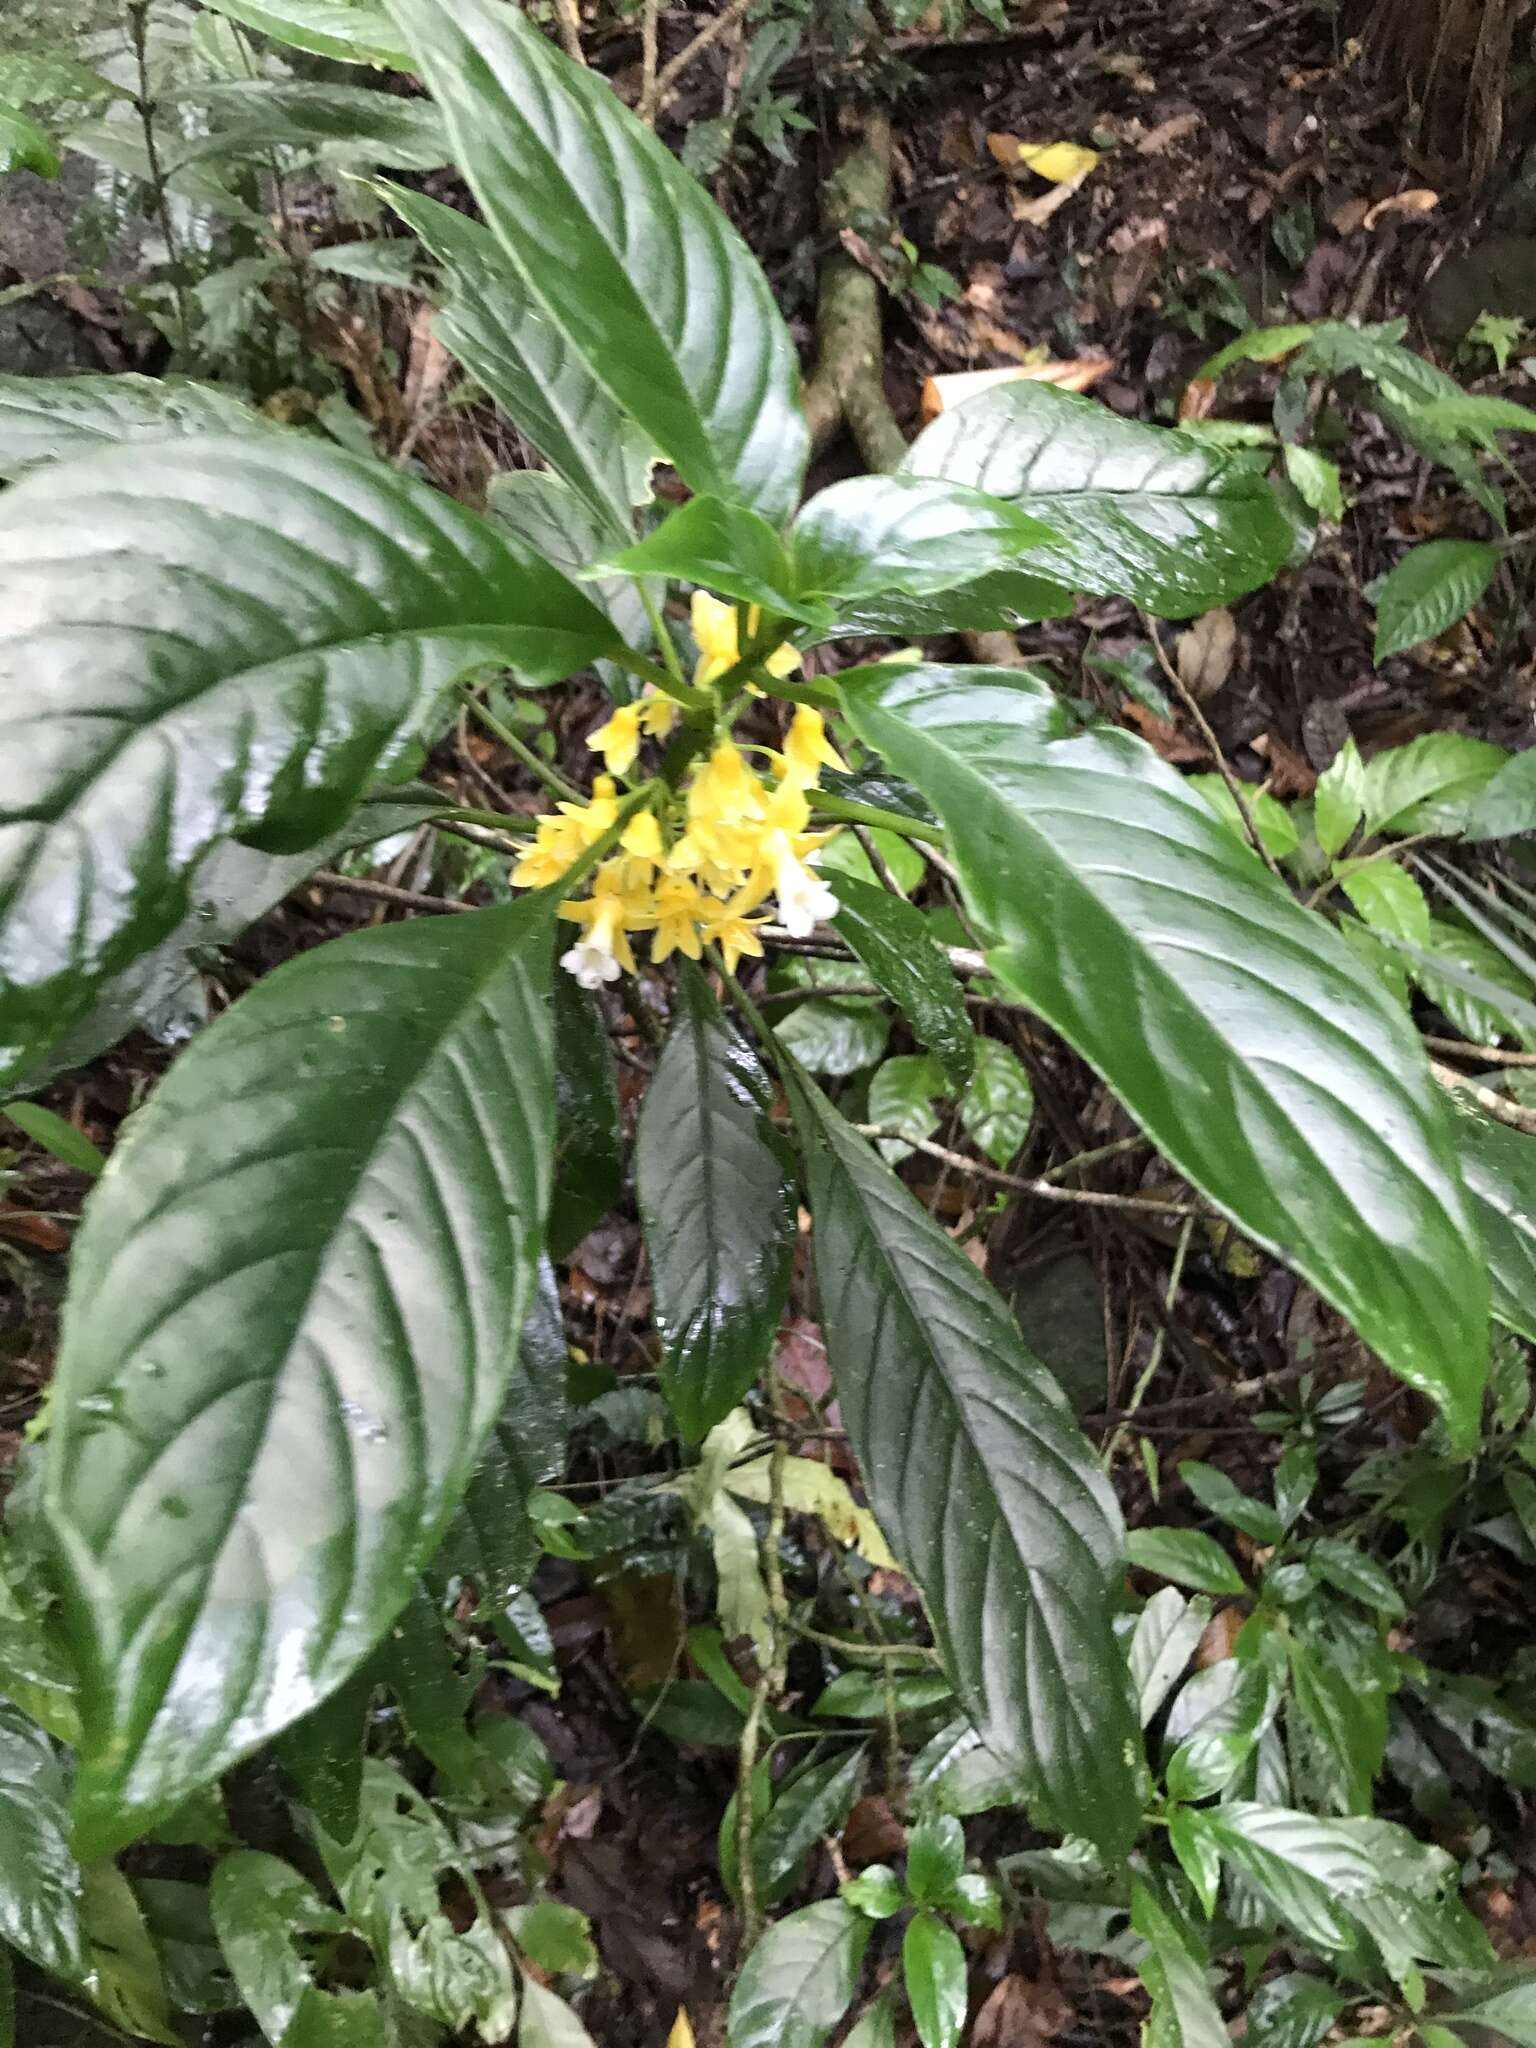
(1205, 653)
(943, 394)
(1419, 200)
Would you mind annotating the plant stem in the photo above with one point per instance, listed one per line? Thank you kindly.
(919, 1652)
(666, 645)
(1046, 1190)
(138, 31)
(1139, 1391)
(550, 778)
(851, 812)
(771, 1681)
(660, 679)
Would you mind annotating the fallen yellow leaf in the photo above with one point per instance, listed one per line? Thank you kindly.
(681, 2035)
(1060, 162)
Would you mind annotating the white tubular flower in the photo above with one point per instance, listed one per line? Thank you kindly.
(805, 900)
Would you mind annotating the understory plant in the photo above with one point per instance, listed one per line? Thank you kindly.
(312, 1390)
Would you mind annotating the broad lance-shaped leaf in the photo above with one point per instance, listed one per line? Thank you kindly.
(800, 1979)
(210, 638)
(1140, 512)
(656, 292)
(985, 1487)
(499, 331)
(39, 1877)
(1263, 1060)
(46, 419)
(893, 939)
(348, 31)
(1499, 1166)
(295, 1302)
(718, 1204)
(914, 535)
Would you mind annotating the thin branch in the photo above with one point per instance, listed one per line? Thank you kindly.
(1203, 725)
(1047, 1190)
(1486, 1055)
(1159, 1342)
(674, 68)
(1499, 1107)
(645, 106)
(568, 21)
(385, 892)
(138, 31)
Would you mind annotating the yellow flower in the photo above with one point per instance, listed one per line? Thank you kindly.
(780, 868)
(719, 644)
(679, 905)
(807, 749)
(618, 739)
(642, 837)
(658, 714)
(565, 833)
(726, 926)
(603, 952)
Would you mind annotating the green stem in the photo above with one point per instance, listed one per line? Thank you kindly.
(821, 696)
(659, 679)
(664, 640)
(831, 805)
(551, 778)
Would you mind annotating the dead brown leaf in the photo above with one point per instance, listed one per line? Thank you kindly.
(1206, 652)
(1166, 133)
(1350, 216)
(1420, 200)
(1135, 250)
(21, 1226)
(873, 1833)
(1165, 739)
(1198, 398)
(941, 394)
(1220, 1638)
(1020, 2013)
(1290, 773)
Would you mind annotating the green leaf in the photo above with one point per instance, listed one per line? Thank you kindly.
(1387, 897)
(1271, 820)
(913, 535)
(1005, 1521)
(589, 1141)
(349, 33)
(40, 1882)
(717, 1203)
(492, 1541)
(901, 1098)
(498, 330)
(1215, 1491)
(217, 637)
(652, 286)
(894, 941)
(324, 1753)
(1187, 1556)
(349, 124)
(1166, 1635)
(1356, 1572)
(1509, 2010)
(834, 1035)
(877, 2029)
(812, 1805)
(546, 2021)
(1299, 1870)
(123, 1965)
(1258, 345)
(1430, 589)
(1316, 480)
(935, 1858)
(998, 1107)
(47, 419)
(1429, 784)
(1506, 803)
(24, 146)
(1499, 1167)
(1001, 602)
(320, 1233)
(552, 518)
(1339, 800)
(933, 1970)
(56, 1135)
(1242, 1035)
(1184, 2014)
(1199, 1857)
(1140, 512)
(259, 1906)
(728, 548)
(800, 1979)
(877, 1891)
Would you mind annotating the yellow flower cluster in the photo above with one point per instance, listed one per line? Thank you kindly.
(736, 842)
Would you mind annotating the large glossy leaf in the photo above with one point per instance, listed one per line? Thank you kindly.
(349, 123)
(718, 1205)
(589, 1137)
(980, 1479)
(295, 1304)
(351, 34)
(1430, 589)
(893, 940)
(499, 331)
(1264, 1061)
(550, 516)
(39, 1877)
(1499, 1167)
(1184, 2014)
(656, 292)
(800, 1979)
(1143, 512)
(911, 534)
(219, 637)
(46, 419)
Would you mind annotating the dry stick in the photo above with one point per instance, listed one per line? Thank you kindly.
(568, 21)
(1047, 1190)
(385, 892)
(1488, 1055)
(1497, 1106)
(1139, 1391)
(771, 1681)
(674, 68)
(1187, 698)
(645, 106)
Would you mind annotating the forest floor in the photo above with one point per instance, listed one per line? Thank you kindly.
(1252, 167)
